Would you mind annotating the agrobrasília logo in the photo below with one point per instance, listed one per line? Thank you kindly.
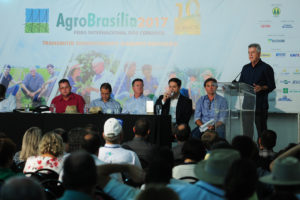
(37, 20)
(276, 11)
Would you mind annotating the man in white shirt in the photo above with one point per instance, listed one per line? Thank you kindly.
(175, 104)
(112, 152)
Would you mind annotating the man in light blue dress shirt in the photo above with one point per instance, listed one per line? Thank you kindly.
(137, 103)
(107, 104)
(211, 106)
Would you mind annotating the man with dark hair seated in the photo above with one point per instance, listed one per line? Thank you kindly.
(80, 176)
(67, 98)
(181, 133)
(266, 144)
(193, 151)
(22, 188)
(139, 143)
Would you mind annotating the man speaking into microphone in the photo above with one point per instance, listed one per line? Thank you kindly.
(175, 104)
(260, 75)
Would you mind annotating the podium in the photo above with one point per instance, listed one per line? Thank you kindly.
(241, 100)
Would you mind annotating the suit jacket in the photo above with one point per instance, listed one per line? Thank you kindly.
(184, 109)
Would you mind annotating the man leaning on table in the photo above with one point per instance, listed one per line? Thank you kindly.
(67, 98)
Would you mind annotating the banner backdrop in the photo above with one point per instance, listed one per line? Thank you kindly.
(91, 42)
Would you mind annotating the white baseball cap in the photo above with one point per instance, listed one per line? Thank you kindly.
(112, 127)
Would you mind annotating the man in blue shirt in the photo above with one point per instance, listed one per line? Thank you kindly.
(211, 106)
(260, 75)
(32, 84)
(6, 78)
(49, 84)
(107, 104)
(137, 103)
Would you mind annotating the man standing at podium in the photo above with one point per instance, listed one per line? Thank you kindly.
(260, 75)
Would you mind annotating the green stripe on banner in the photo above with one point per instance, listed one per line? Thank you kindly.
(36, 28)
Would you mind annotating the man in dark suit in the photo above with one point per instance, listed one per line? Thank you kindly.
(174, 104)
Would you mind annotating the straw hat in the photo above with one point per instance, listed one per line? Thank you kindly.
(286, 171)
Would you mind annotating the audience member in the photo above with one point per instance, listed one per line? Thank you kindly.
(30, 145)
(64, 136)
(75, 139)
(137, 103)
(285, 175)
(80, 176)
(211, 174)
(246, 146)
(241, 180)
(193, 151)
(139, 143)
(22, 188)
(157, 192)
(266, 144)
(112, 152)
(67, 98)
(208, 138)
(50, 154)
(7, 151)
(181, 133)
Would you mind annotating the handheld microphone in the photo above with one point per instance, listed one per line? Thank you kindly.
(172, 94)
(234, 80)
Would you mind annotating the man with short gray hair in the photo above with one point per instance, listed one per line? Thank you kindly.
(112, 152)
(260, 75)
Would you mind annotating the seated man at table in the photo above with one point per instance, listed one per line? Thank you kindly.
(175, 104)
(211, 106)
(137, 103)
(67, 98)
(106, 103)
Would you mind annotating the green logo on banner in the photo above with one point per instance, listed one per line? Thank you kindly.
(276, 11)
(37, 20)
(285, 90)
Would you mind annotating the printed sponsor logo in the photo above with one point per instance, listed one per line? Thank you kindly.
(294, 91)
(296, 72)
(284, 98)
(285, 90)
(296, 82)
(265, 26)
(295, 55)
(266, 55)
(285, 81)
(276, 40)
(276, 11)
(287, 26)
(280, 54)
(36, 20)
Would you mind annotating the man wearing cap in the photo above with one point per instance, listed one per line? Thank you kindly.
(106, 103)
(67, 98)
(137, 103)
(112, 152)
(211, 107)
(211, 174)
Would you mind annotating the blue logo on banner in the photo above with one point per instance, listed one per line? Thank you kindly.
(280, 54)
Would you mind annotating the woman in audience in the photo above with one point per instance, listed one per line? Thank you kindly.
(30, 145)
(193, 151)
(50, 154)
